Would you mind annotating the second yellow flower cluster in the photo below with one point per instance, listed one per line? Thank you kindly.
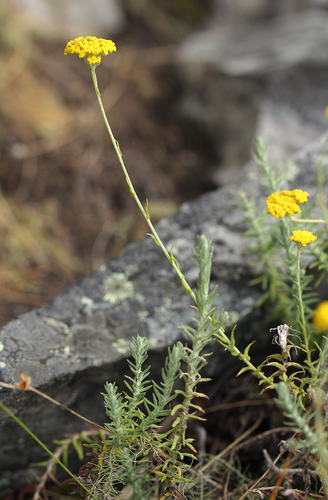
(303, 237)
(288, 202)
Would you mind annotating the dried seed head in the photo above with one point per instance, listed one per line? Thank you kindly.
(283, 446)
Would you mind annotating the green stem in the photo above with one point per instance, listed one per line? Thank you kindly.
(144, 212)
(312, 221)
(5, 409)
(228, 345)
(301, 306)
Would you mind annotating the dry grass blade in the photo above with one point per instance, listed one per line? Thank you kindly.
(234, 443)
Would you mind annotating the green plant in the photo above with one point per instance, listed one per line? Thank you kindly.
(286, 281)
(135, 451)
(292, 285)
(135, 438)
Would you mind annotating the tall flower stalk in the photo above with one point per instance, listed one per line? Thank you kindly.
(144, 211)
(91, 49)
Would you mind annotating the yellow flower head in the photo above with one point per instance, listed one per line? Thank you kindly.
(285, 202)
(90, 48)
(320, 316)
(303, 237)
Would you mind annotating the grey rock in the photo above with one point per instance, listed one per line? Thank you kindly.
(258, 48)
(66, 20)
(266, 77)
(79, 340)
(252, 9)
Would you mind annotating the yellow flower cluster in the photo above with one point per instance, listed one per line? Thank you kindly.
(285, 202)
(320, 316)
(90, 48)
(303, 237)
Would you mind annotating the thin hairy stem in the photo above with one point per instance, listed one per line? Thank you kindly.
(311, 221)
(45, 396)
(301, 306)
(19, 422)
(144, 212)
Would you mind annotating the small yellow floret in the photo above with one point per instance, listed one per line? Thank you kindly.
(303, 237)
(285, 202)
(90, 48)
(320, 316)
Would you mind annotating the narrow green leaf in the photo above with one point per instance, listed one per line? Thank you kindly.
(176, 422)
(243, 370)
(65, 455)
(78, 447)
(247, 349)
(281, 367)
(176, 408)
(175, 442)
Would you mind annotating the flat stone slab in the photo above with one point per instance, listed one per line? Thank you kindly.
(75, 343)
(270, 74)
(259, 48)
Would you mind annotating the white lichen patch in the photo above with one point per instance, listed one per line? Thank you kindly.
(1, 346)
(152, 343)
(142, 314)
(59, 326)
(2, 364)
(122, 345)
(131, 269)
(61, 351)
(161, 310)
(117, 288)
(233, 317)
(86, 301)
(167, 302)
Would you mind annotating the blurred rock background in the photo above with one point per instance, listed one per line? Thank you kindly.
(190, 85)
